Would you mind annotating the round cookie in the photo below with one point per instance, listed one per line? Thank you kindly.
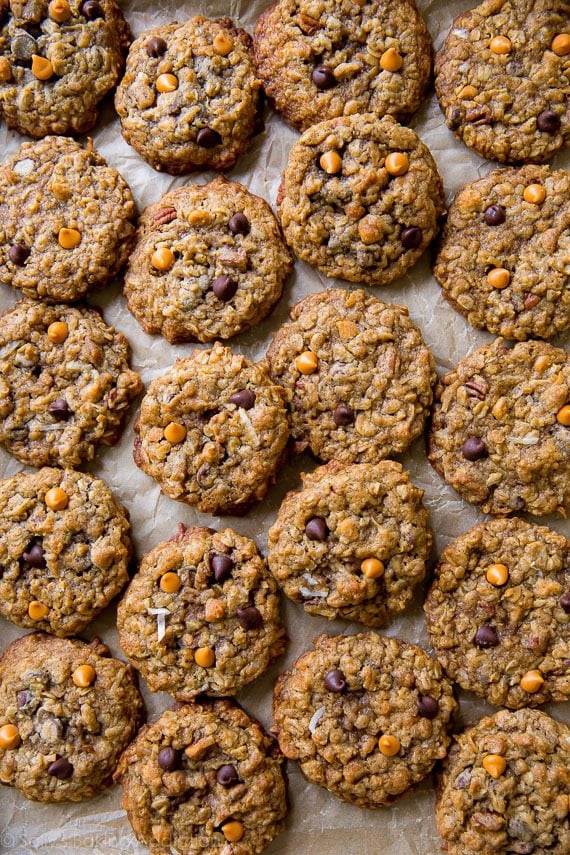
(353, 543)
(504, 787)
(66, 220)
(502, 79)
(64, 549)
(499, 432)
(213, 431)
(360, 198)
(65, 383)
(204, 778)
(209, 262)
(57, 62)
(498, 613)
(503, 256)
(201, 615)
(190, 95)
(365, 716)
(359, 376)
(67, 711)
(321, 61)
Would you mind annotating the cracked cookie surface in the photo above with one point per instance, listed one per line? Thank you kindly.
(364, 716)
(209, 262)
(65, 383)
(66, 220)
(352, 543)
(498, 613)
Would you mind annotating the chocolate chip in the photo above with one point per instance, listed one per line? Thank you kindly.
(250, 617)
(323, 78)
(92, 10)
(464, 778)
(428, 707)
(244, 399)
(34, 555)
(168, 759)
(548, 121)
(156, 47)
(61, 768)
(565, 602)
(59, 409)
(335, 681)
(474, 449)
(239, 224)
(495, 215)
(316, 529)
(208, 138)
(486, 637)
(222, 565)
(343, 416)
(227, 776)
(19, 254)
(22, 699)
(412, 237)
(454, 118)
(224, 287)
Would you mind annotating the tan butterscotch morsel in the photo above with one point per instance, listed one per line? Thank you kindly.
(69, 238)
(397, 163)
(392, 694)
(500, 45)
(42, 68)
(167, 82)
(175, 432)
(563, 415)
(5, 70)
(9, 737)
(331, 162)
(307, 362)
(494, 764)
(498, 278)
(561, 44)
(56, 499)
(59, 11)
(37, 611)
(532, 682)
(240, 772)
(372, 568)
(497, 574)
(170, 583)
(534, 194)
(222, 44)
(391, 60)
(84, 676)
(58, 332)
(204, 657)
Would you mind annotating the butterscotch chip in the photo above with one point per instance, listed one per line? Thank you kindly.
(240, 773)
(529, 819)
(366, 717)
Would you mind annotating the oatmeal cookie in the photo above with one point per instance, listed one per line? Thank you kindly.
(365, 716)
(67, 711)
(500, 428)
(504, 787)
(201, 615)
(204, 778)
(498, 613)
(360, 198)
(64, 549)
(57, 61)
(502, 79)
(210, 262)
(504, 252)
(66, 220)
(328, 59)
(358, 373)
(213, 430)
(353, 543)
(190, 95)
(65, 383)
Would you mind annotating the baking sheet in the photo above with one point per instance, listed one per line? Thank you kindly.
(318, 824)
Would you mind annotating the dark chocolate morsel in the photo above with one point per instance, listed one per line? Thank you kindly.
(19, 254)
(239, 224)
(208, 138)
(224, 287)
(92, 10)
(60, 768)
(343, 416)
(227, 776)
(412, 237)
(474, 449)
(22, 698)
(565, 602)
(495, 215)
(250, 617)
(548, 121)
(244, 399)
(428, 707)
(59, 409)
(335, 681)
(34, 555)
(486, 637)
(222, 565)
(168, 759)
(316, 529)
(323, 78)
(156, 47)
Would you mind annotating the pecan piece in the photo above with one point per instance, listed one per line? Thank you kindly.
(164, 216)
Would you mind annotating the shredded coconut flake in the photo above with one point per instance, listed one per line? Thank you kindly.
(315, 719)
(523, 440)
(249, 427)
(307, 592)
(24, 167)
(160, 620)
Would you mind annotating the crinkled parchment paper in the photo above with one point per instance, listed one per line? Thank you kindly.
(318, 824)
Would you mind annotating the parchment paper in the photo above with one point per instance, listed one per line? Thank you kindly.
(318, 824)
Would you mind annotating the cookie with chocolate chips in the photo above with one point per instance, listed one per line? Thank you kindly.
(190, 95)
(498, 613)
(209, 262)
(503, 257)
(358, 374)
(58, 60)
(65, 383)
(500, 428)
(352, 543)
(504, 787)
(64, 549)
(67, 712)
(66, 220)
(320, 61)
(360, 198)
(366, 717)
(502, 79)
(213, 431)
(201, 615)
(204, 778)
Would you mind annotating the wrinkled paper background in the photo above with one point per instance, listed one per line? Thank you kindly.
(318, 824)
